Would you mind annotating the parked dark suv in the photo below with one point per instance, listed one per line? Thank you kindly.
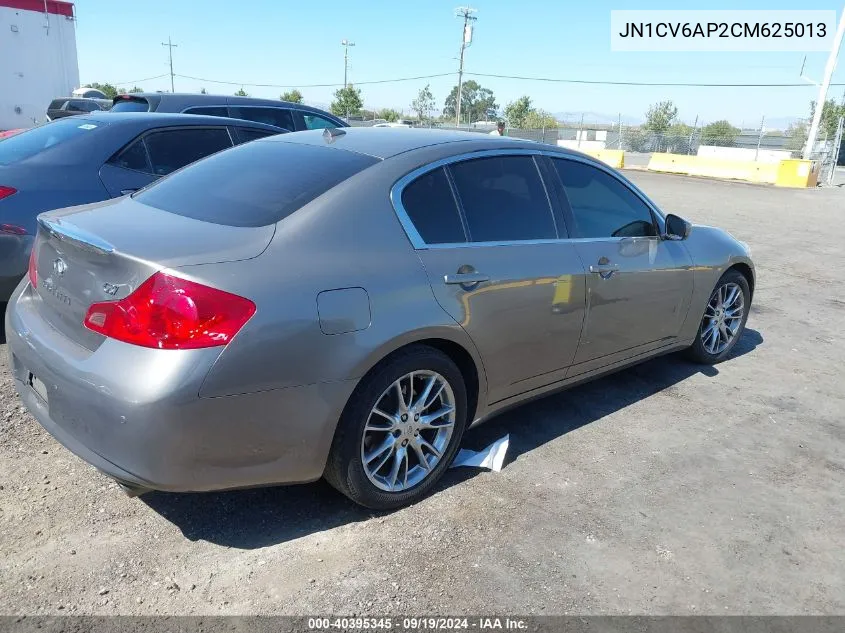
(68, 106)
(283, 114)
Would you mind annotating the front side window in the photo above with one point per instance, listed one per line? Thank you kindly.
(503, 199)
(280, 117)
(430, 205)
(601, 204)
(172, 149)
(317, 122)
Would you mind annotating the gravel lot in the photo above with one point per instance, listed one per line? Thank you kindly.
(666, 489)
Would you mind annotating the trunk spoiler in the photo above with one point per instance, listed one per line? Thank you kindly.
(76, 236)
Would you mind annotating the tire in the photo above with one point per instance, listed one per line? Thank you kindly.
(703, 349)
(356, 438)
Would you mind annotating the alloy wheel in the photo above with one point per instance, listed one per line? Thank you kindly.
(722, 318)
(408, 431)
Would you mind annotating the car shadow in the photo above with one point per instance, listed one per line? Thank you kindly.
(260, 517)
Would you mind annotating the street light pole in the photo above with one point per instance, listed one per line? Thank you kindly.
(820, 101)
(466, 39)
(346, 44)
(170, 45)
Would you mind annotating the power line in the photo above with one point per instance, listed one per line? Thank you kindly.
(359, 83)
(137, 81)
(643, 83)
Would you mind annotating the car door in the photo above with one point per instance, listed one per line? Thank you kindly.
(639, 285)
(487, 234)
(158, 153)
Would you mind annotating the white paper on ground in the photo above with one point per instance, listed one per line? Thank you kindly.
(492, 457)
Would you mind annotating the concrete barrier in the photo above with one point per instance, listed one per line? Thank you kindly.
(612, 157)
(785, 173)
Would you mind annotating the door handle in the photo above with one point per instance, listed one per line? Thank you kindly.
(605, 271)
(123, 192)
(466, 279)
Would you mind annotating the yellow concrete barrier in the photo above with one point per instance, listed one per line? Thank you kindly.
(786, 173)
(711, 167)
(613, 157)
(795, 172)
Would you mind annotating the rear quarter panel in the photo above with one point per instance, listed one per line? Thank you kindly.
(349, 238)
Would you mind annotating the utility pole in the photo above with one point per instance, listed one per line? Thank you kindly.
(760, 136)
(170, 45)
(346, 44)
(820, 101)
(466, 40)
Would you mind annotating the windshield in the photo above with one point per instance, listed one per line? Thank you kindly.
(254, 184)
(31, 142)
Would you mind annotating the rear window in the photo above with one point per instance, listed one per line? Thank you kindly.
(27, 144)
(131, 104)
(56, 104)
(254, 184)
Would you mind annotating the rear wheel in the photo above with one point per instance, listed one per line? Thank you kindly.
(400, 430)
(724, 319)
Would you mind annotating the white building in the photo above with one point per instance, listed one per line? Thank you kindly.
(37, 59)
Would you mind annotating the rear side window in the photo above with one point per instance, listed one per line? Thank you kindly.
(131, 104)
(44, 137)
(602, 205)
(317, 122)
(133, 157)
(171, 149)
(280, 117)
(246, 134)
(430, 205)
(254, 184)
(208, 110)
(503, 199)
(56, 104)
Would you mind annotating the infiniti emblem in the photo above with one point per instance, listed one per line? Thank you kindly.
(59, 267)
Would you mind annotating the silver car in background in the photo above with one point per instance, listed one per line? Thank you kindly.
(345, 303)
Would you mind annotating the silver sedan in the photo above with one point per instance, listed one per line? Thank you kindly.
(346, 303)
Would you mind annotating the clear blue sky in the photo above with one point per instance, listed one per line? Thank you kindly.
(298, 43)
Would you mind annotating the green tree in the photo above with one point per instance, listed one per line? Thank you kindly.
(538, 119)
(719, 133)
(294, 96)
(677, 138)
(660, 117)
(347, 101)
(830, 117)
(797, 133)
(203, 91)
(423, 105)
(517, 112)
(477, 103)
(388, 114)
(107, 89)
(241, 93)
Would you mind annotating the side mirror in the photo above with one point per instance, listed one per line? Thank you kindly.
(677, 228)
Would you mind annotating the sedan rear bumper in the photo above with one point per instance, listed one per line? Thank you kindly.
(135, 413)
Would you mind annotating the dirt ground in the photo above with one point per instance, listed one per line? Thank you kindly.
(665, 489)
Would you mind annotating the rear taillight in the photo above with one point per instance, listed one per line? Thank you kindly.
(5, 191)
(167, 312)
(12, 229)
(33, 266)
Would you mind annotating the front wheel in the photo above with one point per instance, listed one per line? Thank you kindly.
(400, 430)
(724, 319)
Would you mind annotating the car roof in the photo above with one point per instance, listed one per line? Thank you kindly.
(210, 99)
(384, 142)
(158, 119)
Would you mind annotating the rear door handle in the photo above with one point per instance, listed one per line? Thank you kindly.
(466, 279)
(605, 271)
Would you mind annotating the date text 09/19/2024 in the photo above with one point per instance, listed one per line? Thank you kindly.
(417, 624)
